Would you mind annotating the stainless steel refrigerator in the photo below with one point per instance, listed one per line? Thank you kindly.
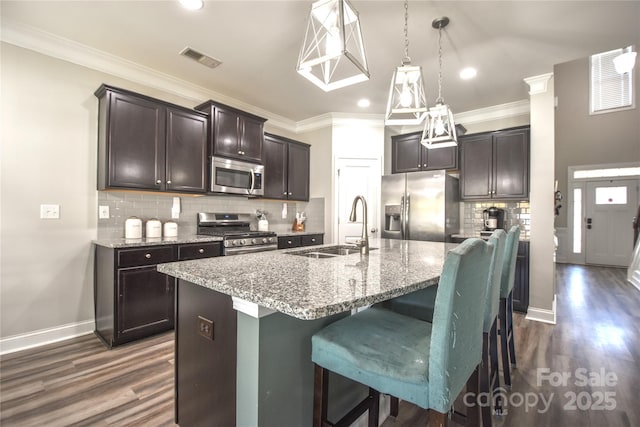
(420, 206)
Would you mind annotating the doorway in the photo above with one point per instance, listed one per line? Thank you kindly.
(610, 206)
(357, 177)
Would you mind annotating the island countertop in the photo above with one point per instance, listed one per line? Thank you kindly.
(309, 288)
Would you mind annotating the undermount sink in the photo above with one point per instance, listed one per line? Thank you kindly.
(328, 251)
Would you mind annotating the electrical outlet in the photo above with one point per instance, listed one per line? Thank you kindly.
(205, 327)
(49, 211)
(103, 212)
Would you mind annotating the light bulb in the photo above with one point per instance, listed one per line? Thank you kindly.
(439, 126)
(406, 99)
(333, 43)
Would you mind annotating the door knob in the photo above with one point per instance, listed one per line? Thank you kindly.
(373, 230)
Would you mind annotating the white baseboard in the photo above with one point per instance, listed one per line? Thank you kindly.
(542, 314)
(45, 336)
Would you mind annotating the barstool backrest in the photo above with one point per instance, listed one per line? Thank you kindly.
(492, 300)
(509, 265)
(456, 338)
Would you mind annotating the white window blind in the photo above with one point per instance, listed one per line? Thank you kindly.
(610, 90)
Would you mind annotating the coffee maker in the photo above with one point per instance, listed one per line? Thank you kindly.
(493, 218)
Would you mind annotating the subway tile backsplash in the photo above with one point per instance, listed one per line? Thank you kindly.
(514, 213)
(123, 205)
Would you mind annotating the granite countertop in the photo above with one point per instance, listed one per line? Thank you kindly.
(132, 243)
(309, 288)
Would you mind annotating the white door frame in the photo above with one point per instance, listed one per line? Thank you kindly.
(374, 208)
(581, 184)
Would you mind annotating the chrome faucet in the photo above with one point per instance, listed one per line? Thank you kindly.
(363, 243)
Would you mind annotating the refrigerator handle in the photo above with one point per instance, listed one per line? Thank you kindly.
(407, 224)
(402, 222)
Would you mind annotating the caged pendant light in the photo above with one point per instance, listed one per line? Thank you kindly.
(439, 130)
(407, 104)
(332, 55)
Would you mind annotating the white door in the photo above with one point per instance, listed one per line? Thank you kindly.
(610, 208)
(357, 177)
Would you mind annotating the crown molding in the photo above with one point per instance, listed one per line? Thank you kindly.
(538, 84)
(495, 112)
(333, 119)
(68, 50)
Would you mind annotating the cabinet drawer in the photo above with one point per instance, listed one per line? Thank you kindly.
(285, 242)
(312, 239)
(146, 256)
(199, 250)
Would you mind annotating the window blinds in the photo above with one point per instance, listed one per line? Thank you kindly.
(609, 90)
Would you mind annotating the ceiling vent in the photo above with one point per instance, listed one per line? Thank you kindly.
(200, 57)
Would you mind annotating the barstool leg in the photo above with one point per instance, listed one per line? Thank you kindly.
(320, 393)
(395, 406)
(504, 337)
(494, 374)
(512, 346)
(485, 388)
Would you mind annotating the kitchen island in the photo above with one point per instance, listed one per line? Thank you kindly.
(243, 326)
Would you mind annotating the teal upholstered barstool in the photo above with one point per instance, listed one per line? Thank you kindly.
(423, 363)
(505, 314)
(421, 305)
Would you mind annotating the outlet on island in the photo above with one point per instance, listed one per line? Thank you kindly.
(205, 327)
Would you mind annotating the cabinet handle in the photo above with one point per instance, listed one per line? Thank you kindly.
(168, 182)
(201, 250)
(424, 165)
(313, 240)
(285, 193)
(291, 194)
(159, 181)
(147, 256)
(288, 242)
(241, 152)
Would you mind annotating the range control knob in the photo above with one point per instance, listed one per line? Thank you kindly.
(243, 242)
(265, 240)
(254, 241)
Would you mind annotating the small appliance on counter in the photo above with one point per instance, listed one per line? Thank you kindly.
(133, 228)
(170, 229)
(154, 229)
(493, 219)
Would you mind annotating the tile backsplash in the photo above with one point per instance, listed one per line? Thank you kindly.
(514, 213)
(123, 205)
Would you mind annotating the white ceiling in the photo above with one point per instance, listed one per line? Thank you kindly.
(259, 41)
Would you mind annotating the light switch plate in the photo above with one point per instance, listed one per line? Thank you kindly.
(49, 211)
(103, 212)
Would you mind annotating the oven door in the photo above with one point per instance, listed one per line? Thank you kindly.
(236, 177)
(249, 249)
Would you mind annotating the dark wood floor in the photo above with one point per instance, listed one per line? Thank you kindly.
(78, 382)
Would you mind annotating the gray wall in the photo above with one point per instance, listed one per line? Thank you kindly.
(584, 139)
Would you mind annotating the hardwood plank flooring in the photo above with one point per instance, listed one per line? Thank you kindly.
(80, 383)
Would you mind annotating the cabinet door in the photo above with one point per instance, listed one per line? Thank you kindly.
(439, 158)
(406, 152)
(145, 302)
(226, 139)
(135, 149)
(475, 173)
(298, 172)
(285, 242)
(312, 239)
(275, 168)
(511, 164)
(251, 139)
(186, 151)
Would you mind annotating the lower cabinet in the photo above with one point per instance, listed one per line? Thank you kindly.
(285, 242)
(132, 299)
(521, 279)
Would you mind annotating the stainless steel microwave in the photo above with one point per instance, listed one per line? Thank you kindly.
(236, 177)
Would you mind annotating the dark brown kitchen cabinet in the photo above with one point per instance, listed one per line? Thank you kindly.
(234, 133)
(409, 155)
(286, 242)
(521, 280)
(147, 144)
(132, 300)
(286, 168)
(495, 165)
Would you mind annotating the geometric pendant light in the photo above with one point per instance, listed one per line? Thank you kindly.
(439, 130)
(332, 55)
(407, 103)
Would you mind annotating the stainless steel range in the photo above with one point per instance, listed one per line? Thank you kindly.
(238, 238)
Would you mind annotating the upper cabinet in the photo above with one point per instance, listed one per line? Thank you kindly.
(234, 133)
(495, 165)
(286, 168)
(408, 155)
(146, 144)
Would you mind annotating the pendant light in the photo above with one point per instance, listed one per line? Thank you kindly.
(439, 130)
(332, 55)
(407, 104)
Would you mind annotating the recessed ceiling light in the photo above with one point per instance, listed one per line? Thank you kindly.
(364, 103)
(468, 73)
(192, 4)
